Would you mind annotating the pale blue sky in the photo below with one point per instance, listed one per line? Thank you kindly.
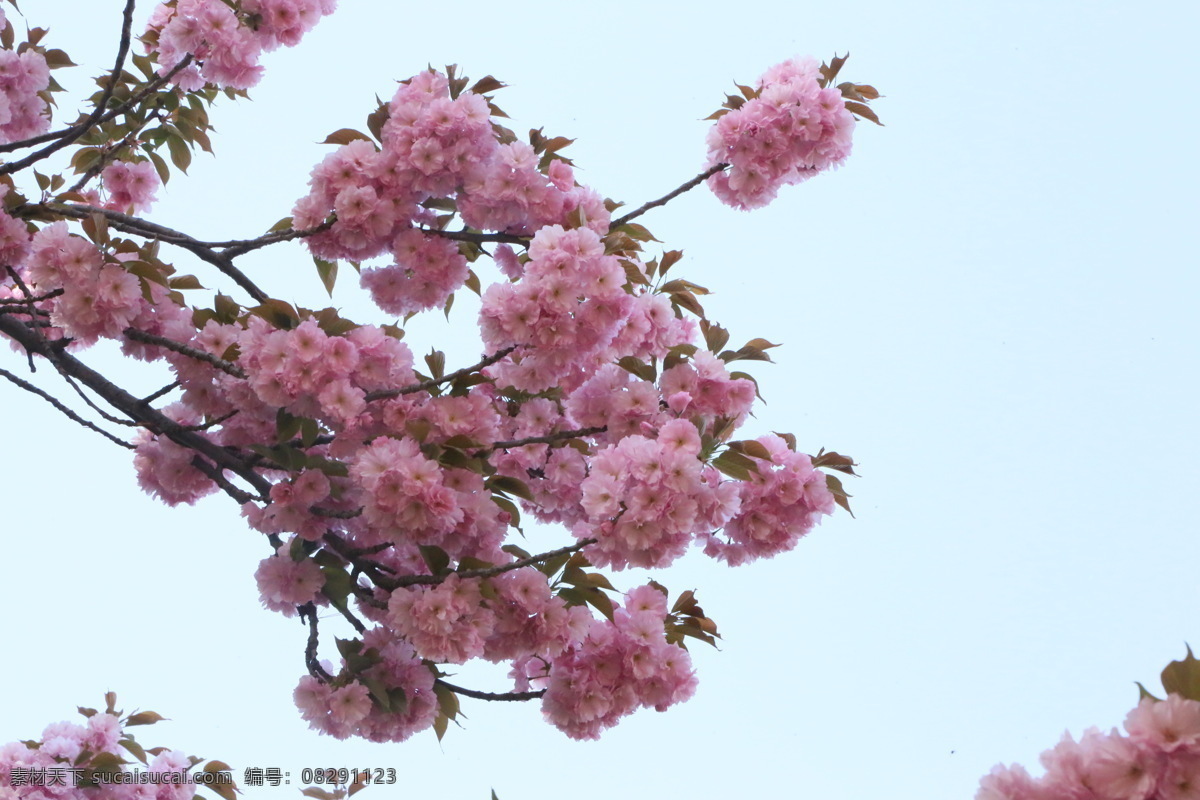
(991, 306)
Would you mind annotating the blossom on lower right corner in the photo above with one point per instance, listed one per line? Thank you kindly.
(1158, 759)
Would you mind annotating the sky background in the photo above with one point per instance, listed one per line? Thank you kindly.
(991, 306)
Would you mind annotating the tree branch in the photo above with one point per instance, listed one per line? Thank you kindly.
(547, 439)
(149, 89)
(310, 651)
(49, 398)
(183, 349)
(510, 696)
(140, 227)
(477, 238)
(382, 394)
(86, 125)
(489, 572)
(134, 408)
(669, 196)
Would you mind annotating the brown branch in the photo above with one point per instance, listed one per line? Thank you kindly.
(489, 572)
(237, 247)
(149, 89)
(5, 301)
(150, 398)
(478, 238)
(381, 394)
(53, 352)
(111, 154)
(183, 349)
(29, 387)
(150, 230)
(668, 197)
(547, 439)
(310, 651)
(216, 476)
(131, 406)
(86, 125)
(478, 695)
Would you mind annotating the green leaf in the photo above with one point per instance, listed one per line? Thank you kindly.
(133, 747)
(160, 166)
(185, 282)
(1183, 677)
(751, 448)
(278, 313)
(486, 84)
(327, 271)
(181, 154)
(510, 485)
(345, 136)
(1143, 694)
(85, 158)
(832, 460)
(735, 465)
(839, 494)
(144, 718)
(337, 587)
(638, 367)
(514, 550)
(377, 119)
(447, 701)
(436, 361)
(436, 558)
(862, 110)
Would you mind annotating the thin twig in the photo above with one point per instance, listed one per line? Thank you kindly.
(149, 89)
(86, 125)
(215, 475)
(381, 394)
(111, 154)
(669, 196)
(170, 387)
(27, 300)
(142, 414)
(309, 611)
(130, 224)
(183, 349)
(237, 247)
(489, 572)
(547, 439)
(29, 387)
(478, 238)
(478, 695)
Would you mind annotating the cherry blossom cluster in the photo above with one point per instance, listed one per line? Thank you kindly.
(100, 298)
(434, 147)
(646, 498)
(390, 495)
(453, 622)
(621, 666)
(14, 245)
(347, 707)
(311, 373)
(781, 501)
(426, 272)
(789, 132)
(23, 111)
(130, 185)
(285, 582)
(63, 765)
(1158, 758)
(227, 42)
(565, 309)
